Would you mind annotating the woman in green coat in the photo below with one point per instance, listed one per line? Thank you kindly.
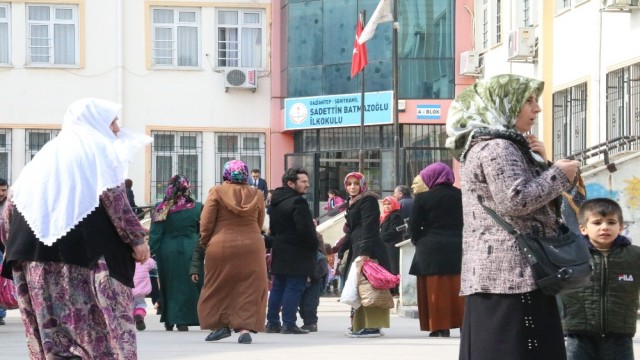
(173, 237)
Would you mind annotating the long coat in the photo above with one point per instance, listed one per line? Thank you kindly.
(294, 236)
(173, 241)
(436, 231)
(363, 231)
(235, 280)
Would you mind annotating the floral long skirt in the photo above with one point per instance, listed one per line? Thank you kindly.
(71, 311)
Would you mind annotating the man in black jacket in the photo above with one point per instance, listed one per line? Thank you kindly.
(294, 250)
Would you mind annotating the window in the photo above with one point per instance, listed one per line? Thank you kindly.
(52, 34)
(175, 152)
(240, 38)
(248, 147)
(175, 34)
(623, 104)
(35, 140)
(5, 154)
(4, 34)
(569, 121)
(489, 24)
(562, 4)
(526, 13)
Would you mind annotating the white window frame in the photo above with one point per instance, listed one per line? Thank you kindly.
(5, 148)
(241, 151)
(526, 13)
(174, 26)
(489, 24)
(6, 20)
(51, 24)
(562, 5)
(226, 48)
(157, 190)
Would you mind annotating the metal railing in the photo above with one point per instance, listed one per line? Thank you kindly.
(606, 148)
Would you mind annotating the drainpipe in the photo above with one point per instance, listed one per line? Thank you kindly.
(120, 55)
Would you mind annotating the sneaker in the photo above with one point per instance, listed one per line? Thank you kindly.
(244, 338)
(310, 327)
(2, 321)
(292, 329)
(223, 332)
(140, 325)
(272, 328)
(366, 333)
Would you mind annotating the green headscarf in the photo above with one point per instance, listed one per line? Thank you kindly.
(494, 103)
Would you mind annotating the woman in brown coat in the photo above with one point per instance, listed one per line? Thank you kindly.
(234, 295)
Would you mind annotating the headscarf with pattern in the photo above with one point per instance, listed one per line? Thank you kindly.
(494, 104)
(436, 174)
(395, 206)
(235, 171)
(176, 198)
(363, 186)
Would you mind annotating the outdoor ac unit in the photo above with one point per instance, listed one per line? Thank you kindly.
(621, 4)
(522, 44)
(240, 78)
(470, 64)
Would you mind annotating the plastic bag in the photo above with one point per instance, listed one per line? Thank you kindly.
(378, 276)
(8, 294)
(349, 294)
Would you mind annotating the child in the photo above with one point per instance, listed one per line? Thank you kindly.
(310, 298)
(600, 320)
(142, 287)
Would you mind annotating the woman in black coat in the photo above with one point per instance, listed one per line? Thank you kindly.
(436, 228)
(390, 220)
(363, 239)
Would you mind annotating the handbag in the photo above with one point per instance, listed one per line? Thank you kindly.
(372, 297)
(8, 294)
(560, 264)
(378, 276)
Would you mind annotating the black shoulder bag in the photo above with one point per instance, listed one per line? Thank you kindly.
(560, 264)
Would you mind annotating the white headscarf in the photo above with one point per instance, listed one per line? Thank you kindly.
(63, 182)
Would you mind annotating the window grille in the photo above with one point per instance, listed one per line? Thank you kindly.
(240, 38)
(5, 34)
(172, 153)
(175, 35)
(52, 34)
(623, 104)
(5, 154)
(35, 139)
(569, 121)
(245, 146)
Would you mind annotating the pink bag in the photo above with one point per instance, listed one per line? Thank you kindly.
(8, 294)
(378, 276)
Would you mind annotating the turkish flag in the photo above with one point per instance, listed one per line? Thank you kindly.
(359, 60)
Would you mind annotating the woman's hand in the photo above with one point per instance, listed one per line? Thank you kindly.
(568, 167)
(536, 146)
(365, 258)
(141, 253)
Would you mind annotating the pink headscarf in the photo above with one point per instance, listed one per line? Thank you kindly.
(363, 185)
(395, 206)
(436, 174)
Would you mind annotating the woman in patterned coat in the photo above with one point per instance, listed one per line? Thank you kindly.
(506, 315)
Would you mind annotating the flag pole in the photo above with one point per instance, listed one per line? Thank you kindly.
(363, 14)
(394, 83)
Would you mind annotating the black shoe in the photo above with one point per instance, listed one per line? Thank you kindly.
(182, 328)
(140, 325)
(286, 329)
(365, 333)
(223, 332)
(439, 333)
(2, 321)
(244, 338)
(310, 328)
(168, 327)
(272, 329)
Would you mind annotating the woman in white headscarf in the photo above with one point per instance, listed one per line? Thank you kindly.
(72, 239)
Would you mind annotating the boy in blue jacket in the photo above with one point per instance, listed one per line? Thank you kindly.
(600, 320)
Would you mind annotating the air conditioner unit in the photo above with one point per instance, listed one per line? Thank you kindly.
(240, 78)
(522, 44)
(470, 64)
(621, 4)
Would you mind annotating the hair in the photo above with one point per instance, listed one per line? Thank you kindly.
(127, 183)
(321, 246)
(599, 206)
(405, 190)
(3, 182)
(255, 171)
(327, 249)
(292, 175)
(332, 192)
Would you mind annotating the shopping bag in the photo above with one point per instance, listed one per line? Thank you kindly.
(349, 294)
(8, 294)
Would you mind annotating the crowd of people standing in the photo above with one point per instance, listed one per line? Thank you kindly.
(470, 273)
